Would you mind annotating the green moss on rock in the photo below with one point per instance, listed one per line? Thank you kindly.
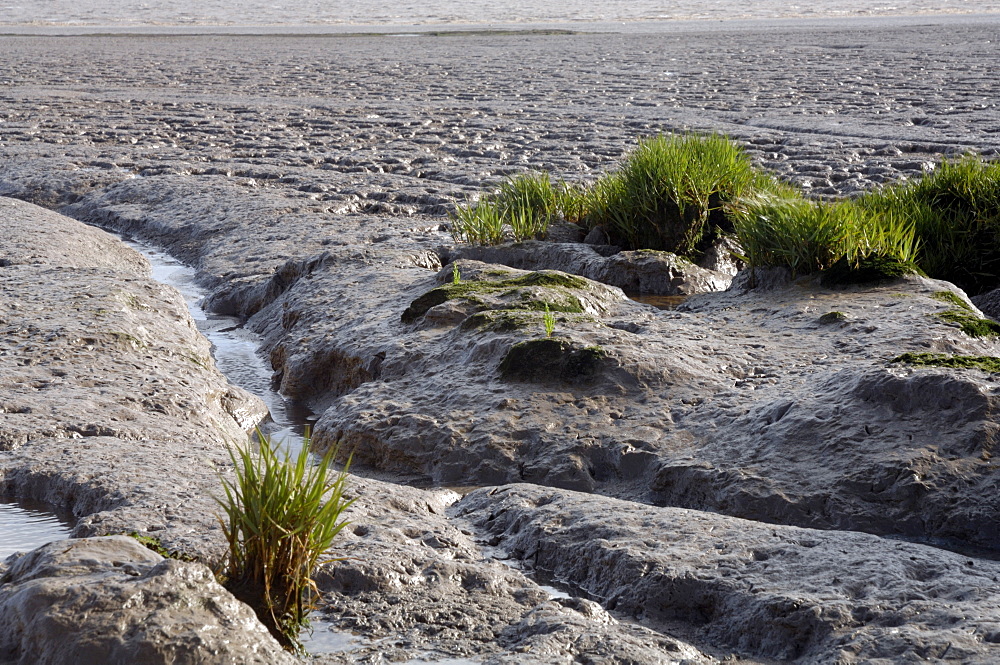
(833, 317)
(155, 545)
(952, 299)
(964, 316)
(551, 360)
(510, 287)
(985, 363)
(548, 278)
(971, 324)
(871, 270)
(499, 321)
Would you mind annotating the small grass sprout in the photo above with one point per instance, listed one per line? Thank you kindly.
(280, 516)
(549, 320)
(456, 276)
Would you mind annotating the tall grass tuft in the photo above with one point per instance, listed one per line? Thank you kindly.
(522, 208)
(955, 212)
(572, 201)
(479, 222)
(281, 514)
(809, 236)
(670, 192)
(527, 201)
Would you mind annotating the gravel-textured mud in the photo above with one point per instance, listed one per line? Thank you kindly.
(308, 179)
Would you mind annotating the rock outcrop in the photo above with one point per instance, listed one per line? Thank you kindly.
(111, 601)
(112, 406)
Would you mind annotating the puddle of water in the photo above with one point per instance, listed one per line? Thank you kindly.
(659, 302)
(25, 525)
(554, 592)
(234, 348)
(327, 639)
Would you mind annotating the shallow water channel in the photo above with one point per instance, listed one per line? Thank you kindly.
(234, 349)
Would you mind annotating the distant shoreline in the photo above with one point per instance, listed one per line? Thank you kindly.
(438, 29)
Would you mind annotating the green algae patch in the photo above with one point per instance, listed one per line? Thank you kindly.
(517, 288)
(548, 278)
(971, 324)
(833, 317)
(964, 316)
(155, 545)
(552, 360)
(869, 270)
(499, 321)
(951, 298)
(989, 364)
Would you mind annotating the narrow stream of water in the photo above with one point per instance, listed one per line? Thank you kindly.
(233, 347)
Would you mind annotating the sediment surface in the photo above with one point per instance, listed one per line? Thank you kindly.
(308, 179)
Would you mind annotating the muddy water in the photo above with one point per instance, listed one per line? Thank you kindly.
(233, 347)
(25, 525)
(659, 302)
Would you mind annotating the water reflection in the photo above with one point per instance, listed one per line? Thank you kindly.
(25, 525)
(234, 348)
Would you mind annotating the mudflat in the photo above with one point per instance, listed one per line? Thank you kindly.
(689, 477)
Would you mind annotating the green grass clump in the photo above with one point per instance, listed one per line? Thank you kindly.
(955, 212)
(811, 236)
(985, 363)
(522, 208)
(670, 193)
(280, 516)
(680, 193)
(479, 222)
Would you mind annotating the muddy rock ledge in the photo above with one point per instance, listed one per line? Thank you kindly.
(778, 404)
(121, 417)
(112, 408)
